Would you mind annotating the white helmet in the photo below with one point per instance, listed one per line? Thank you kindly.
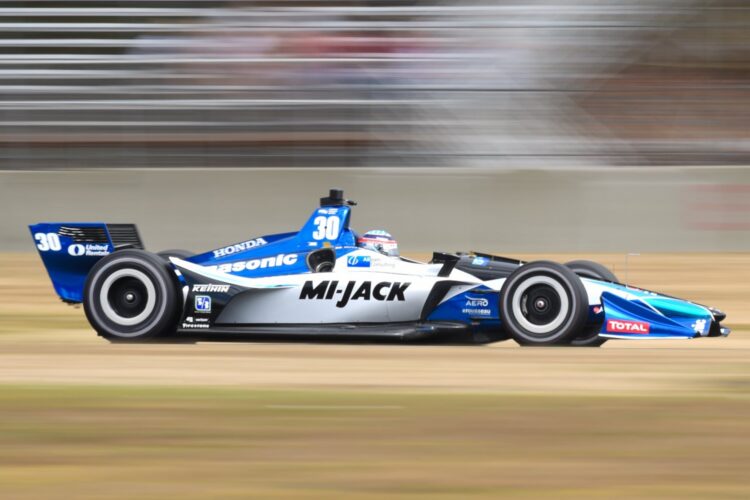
(379, 241)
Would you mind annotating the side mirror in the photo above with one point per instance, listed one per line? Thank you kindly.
(322, 260)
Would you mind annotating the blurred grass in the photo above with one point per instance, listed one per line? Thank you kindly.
(123, 442)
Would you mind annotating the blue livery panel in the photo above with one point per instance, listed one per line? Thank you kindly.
(479, 304)
(66, 255)
(284, 253)
(636, 319)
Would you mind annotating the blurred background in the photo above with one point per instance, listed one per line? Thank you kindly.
(163, 83)
(557, 128)
(600, 126)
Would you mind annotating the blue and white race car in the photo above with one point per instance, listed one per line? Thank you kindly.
(325, 281)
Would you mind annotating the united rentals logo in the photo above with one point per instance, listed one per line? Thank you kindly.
(239, 247)
(328, 290)
(622, 326)
(89, 249)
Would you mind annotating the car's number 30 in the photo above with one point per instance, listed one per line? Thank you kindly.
(47, 241)
(327, 228)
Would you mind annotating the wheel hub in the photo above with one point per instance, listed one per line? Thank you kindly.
(128, 297)
(541, 304)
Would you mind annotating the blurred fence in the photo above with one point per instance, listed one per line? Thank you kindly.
(379, 83)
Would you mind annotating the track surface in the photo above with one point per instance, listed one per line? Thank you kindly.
(274, 420)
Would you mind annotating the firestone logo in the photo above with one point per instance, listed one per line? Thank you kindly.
(622, 326)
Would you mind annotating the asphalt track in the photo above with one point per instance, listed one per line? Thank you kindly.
(318, 420)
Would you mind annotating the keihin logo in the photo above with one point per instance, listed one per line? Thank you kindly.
(328, 290)
(239, 247)
(622, 326)
(251, 265)
(211, 288)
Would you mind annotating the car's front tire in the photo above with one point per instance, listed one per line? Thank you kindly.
(132, 295)
(543, 303)
(593, 270)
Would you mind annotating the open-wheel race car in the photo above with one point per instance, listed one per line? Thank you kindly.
(326, 281)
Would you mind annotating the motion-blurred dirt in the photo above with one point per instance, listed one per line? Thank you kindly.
(274, 420)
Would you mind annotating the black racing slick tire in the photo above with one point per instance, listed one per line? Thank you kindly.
(132, 295)
(593, 270)
(589, 338)
(180, 254)
(543, 303)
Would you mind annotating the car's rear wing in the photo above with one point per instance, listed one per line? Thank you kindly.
(70, 249)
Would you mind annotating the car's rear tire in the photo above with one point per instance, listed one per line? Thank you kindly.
(543, 303)
(132, 295)
(180, 254)
(593, 270)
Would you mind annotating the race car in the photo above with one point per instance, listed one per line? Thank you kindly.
(327, 281)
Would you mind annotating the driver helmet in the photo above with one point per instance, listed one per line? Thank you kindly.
(379, 241)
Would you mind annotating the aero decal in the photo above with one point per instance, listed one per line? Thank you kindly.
(239, 247)
(385, 290)
(622, 326)
(478, 306)
(251, 265)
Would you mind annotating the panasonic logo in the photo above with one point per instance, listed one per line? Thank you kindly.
(251, 265)
(330, 290)
(239, 247)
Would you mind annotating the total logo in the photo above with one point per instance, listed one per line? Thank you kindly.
(328, 290)
(239, 247)
(622, 326)
(89, 249)
(251, 265)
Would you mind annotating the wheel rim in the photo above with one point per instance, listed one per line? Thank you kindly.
(540, 305)
(127, 297)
